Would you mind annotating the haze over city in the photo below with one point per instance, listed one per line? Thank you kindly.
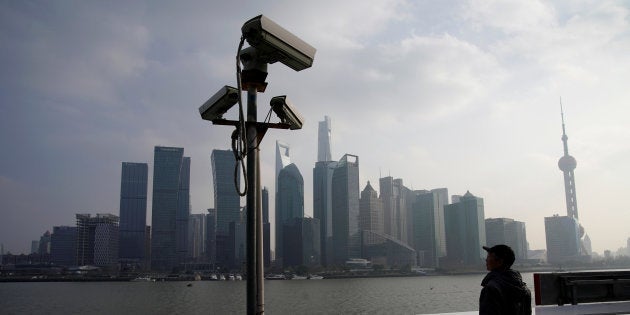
(457, 94)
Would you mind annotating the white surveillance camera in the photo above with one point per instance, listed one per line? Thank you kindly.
(274, 43)
(219, 103)
(287, 113)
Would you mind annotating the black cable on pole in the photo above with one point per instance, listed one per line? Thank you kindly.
(239, 136)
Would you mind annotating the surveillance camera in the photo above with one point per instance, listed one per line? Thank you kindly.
(287, 113)
(274, 43)
(219, 103)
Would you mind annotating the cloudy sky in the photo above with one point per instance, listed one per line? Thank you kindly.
(456, 94)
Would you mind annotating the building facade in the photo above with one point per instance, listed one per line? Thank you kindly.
(97, 240)
(171, 178)
(133, 211)
(266, 228)
(370, 210)
(301, 242)
(63, 246)
(429, 238)
(465, 232)
(323, 140)
(346, 235)
(561, 234)
(322, 206)
(509, 232)
(227, 204)
(289, 202)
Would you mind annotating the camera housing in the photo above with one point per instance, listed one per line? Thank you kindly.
(274, 43)
(219, 103)
(286, 112)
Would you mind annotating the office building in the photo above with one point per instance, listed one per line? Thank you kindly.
(171, 207)
(44, 244)
(211, 236)
(197, 237)
(301, 243)
(266, 228)
(322, 206)
(395, 213)
(323, 140)
(63, 246)
(345, 210)
(133, 212)
(183, 211)
(509, 232)
(563, 244)
(227, 203)
(289, 202)
(97, 240)
(370, 210)
(429, 238)
(465, 231)
(283, 158)
(35, 247)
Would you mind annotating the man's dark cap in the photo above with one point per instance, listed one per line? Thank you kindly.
(503, 252)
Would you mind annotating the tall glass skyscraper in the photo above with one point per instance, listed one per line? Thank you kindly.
(183, 211)
(322, 206)
(563, 243)
(133, 211)
(289, 202)
(171, 177)
(465, 229)
(509, 232)
(266, 228)
(323, 140)
(226, 204)
(345, 210)
(429, 239)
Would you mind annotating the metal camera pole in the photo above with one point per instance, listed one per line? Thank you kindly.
(253, 78)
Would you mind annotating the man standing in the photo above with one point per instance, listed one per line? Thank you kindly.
(504, 291)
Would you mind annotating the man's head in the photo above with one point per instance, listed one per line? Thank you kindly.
(500, 257)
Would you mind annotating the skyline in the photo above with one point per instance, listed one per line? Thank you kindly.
(459, 94)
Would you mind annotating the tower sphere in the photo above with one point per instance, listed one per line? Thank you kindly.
(567, 163)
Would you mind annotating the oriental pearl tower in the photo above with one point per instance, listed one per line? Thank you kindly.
(567, 164)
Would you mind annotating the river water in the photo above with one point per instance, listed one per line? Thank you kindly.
(413, 295)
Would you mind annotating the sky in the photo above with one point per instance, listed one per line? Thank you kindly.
(457, 94)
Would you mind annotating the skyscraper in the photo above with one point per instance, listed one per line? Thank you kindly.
(429, 238)
(283, 158)
(289, 202)
(561, 234)
(370, 210)
(183, 211)
(323, 140)
(345, 210)
(171, 174)
(211, 236)
(63, 245)
(133, 211)
(465, 230)
(322, 206)
(226, 202)
(266, 228)
(509, 232)
(97, 239)
(301, 242)
(395, 195)
(196, 236)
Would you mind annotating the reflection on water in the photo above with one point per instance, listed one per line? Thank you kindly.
(415, 295)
